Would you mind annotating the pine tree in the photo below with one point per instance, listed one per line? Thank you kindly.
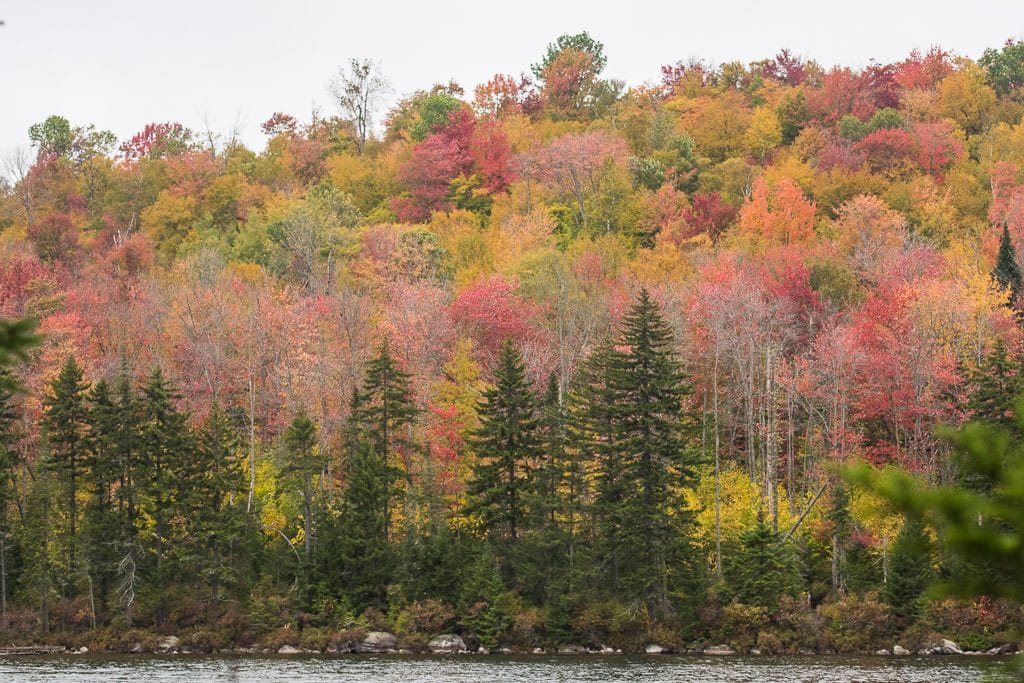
(841, 520)
(994, 387)
(40, 574)
(652, 439)
(632, 419)
(8, 473)
(1006, 272)
(507, 445)
(303, 461)
(66, 427)
(593, 423)
(16, 338)
(763, 570)
(219, 529)
(126, 450)
(481, 593)
(367, 556)
(101, 525)
(383, 413)
(167, 461)
(545, 547)
(910, 570)
(566, 511)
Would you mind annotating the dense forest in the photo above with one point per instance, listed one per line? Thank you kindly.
(551, 363)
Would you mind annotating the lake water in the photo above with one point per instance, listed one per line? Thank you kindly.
(537, 668)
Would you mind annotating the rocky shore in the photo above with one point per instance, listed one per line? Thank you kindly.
(382, 642)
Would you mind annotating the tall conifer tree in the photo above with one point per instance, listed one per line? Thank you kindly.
(1006, 272)
(66, 425)
(367, 556)
(633, 419)
(167, 459)
(507, 445)
(383, 413)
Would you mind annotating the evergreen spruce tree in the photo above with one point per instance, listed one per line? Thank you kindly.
(65, 424)
(102, 524)
(863, 568)
(432, 565)
(651, 383)
(37, 539)
(16, 338)
(910, 570)
(994, 387)
(507, 445)
(479, 603)
(842, 523)
(220, 531)
(367, 556)
(545, 546)
(593, 422)
(632, 420)
(566, 510)
(1006, 272)
(168, 465)
(8, 474)
(302, 461)
(383, 413)
(126, 451)
(763, 570)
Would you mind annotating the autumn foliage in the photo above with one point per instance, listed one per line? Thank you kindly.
(821, 244)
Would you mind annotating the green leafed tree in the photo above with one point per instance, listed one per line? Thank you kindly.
(1005, 68)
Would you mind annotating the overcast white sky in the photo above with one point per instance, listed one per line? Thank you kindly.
(120, 64)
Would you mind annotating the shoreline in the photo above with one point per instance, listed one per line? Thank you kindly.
(286, 651)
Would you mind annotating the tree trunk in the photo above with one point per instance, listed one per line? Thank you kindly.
(252, 445)
(718, 479)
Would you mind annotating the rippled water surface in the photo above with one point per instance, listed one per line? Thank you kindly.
(410, 669)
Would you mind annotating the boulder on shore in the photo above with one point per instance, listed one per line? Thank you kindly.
(378, 641)
(168, 643)
(655, 649)
(288, 650)
(447, 642)
(719, 650)
(942, 647)
(900, 650)
(1006, 649)
(340, 646)
(571, 650)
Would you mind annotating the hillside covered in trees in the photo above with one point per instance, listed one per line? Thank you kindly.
(552, 362)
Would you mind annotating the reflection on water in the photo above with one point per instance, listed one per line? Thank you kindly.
(412, 669)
